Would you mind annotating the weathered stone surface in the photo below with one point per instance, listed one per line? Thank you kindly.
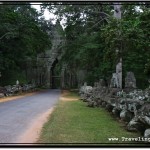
(130, 81)
(49, 57)
(9, 89)
(101, 83)
(116, 112)
(145, 109)
(109, 107)
(28, 87)
(144, 119)
(132, 125)
(130, 105)
(86, 93)
(126, 115)
(114, 81)
(85, 89)
(17, 82)
(117, 10)
(147, 133)
(135, 125)
(2, 95)
(104, 104)
(3, 90)
(119, 74)
(91, 104)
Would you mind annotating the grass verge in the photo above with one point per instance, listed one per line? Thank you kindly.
(73, 122)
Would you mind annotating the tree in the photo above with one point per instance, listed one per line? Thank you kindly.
(22, 34)
(93, 35)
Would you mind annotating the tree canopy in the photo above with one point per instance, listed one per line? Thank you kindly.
(91, 35)
(92, 38)
(23, 34)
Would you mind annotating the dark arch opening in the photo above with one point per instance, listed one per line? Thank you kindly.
(55, 76)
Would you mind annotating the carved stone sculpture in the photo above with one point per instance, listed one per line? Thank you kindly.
(119, 74)
(130, 81)
(114, 81)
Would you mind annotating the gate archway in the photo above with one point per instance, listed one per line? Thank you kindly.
(55, 78)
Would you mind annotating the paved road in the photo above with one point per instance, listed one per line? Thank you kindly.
(16, 115)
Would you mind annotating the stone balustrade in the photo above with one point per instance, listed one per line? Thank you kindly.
(129, 105)
(13, 89)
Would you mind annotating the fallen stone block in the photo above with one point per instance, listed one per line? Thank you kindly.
(126, 115)
(2, 95)
(147, 133)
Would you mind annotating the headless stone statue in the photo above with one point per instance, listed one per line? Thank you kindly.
(17, 82)
(114, 81)
(85, 84)
(101, 82)
(119, 73)
(130, 81)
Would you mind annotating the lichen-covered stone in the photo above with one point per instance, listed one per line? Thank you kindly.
(109, 107)
(130, 81)
(104, 104)
(116, 112)
(135, 125)
(130, 105)
(147, 133)
(2, 95)
(126, 115)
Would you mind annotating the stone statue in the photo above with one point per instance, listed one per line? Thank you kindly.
(130, 81)
(85, 84)
(101, 82)
(17, 82)
(114, 81)
(119, 73)
(96, 84)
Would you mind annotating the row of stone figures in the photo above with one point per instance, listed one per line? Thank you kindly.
(129, 105)
(116, 80)
(13, 89)
(130, 81)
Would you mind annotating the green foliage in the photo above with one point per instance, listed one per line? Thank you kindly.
(92, 40)
(11, 76)
(22, 34)
(92, 37)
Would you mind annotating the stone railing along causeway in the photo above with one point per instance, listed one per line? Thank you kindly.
(130, 105)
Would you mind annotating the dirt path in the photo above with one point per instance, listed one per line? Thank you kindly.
(64, 98)
(33, 131)
(9, 98)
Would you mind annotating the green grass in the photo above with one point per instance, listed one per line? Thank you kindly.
(72, 94)
(73, 122)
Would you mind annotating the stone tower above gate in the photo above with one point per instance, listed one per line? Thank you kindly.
(46, 60)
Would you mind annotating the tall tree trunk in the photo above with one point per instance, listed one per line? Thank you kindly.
(117, 15)
(117, 10)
